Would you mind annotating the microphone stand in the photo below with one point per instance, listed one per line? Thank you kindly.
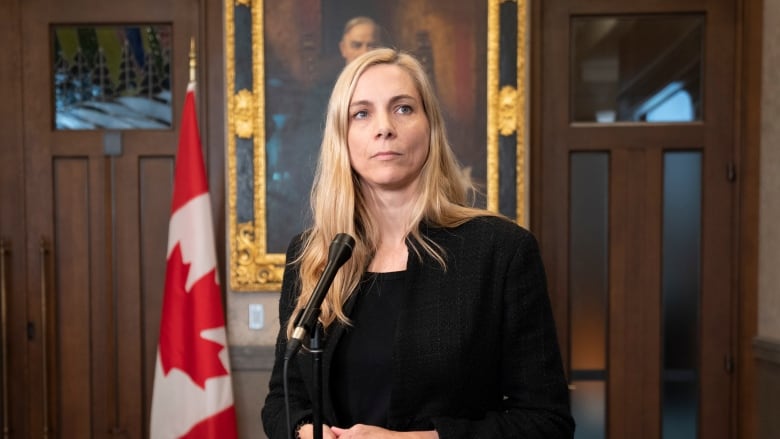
(316, 349)
(339, 252)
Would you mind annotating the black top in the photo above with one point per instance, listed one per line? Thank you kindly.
(362, 364)
(475, 353)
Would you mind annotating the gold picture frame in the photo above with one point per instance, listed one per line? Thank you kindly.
(253, 265)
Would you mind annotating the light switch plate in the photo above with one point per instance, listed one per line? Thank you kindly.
(256, 316)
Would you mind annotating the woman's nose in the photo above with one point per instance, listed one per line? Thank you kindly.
(384, 132)
(384, 128)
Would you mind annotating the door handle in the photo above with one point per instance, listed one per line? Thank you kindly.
(44, 250)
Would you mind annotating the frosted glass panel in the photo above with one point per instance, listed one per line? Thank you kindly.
(680, 410)
(588, 289)
(681, 292)
(637, 68)
(588, 259)
(112, 77)
(588, 407)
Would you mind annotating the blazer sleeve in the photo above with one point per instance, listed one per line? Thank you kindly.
(536, 396)
(273, 413)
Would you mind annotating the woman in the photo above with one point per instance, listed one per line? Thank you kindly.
(439, 326)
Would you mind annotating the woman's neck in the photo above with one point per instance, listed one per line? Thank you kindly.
(392, 215)
(391, 211)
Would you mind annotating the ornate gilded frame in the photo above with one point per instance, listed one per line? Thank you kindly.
(251, 268)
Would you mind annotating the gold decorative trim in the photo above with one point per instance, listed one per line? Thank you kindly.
(268, 267)
(230, 141)
(521, 106)
(493, 33)
(251, 268)
(243, 114)
(507, 110)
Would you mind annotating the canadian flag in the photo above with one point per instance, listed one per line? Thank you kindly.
(193, 395)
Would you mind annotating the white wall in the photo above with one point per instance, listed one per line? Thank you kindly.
(769, 211)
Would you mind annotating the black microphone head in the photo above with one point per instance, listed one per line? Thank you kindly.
(339, 252)
(341, 248)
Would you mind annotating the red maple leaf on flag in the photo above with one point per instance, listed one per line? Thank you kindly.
(185, 314)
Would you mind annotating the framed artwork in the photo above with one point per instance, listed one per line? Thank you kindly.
(282, 59)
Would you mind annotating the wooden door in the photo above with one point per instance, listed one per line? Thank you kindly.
(634, 210)
(84, 224)
(12, 228)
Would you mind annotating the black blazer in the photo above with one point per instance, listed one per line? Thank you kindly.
(476, 353)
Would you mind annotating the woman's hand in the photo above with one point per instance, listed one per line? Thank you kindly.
(307, 432)
(368, 431)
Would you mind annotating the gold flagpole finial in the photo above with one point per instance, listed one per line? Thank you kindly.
(192, 60)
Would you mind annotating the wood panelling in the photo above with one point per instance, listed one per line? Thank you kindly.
(152, 251)
(746, 249)
(12, 222)
(635, 289)
(75, 321)
(86, 233)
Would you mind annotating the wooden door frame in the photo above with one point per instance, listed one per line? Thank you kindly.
(745, 259)
(12, 222)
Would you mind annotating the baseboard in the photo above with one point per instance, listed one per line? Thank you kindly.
(767, 354)
(767, 349)
(257, 358)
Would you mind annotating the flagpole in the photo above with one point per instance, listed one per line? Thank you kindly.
(193, 63)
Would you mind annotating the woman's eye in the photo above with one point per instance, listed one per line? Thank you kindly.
(362, 114)
(404, 109)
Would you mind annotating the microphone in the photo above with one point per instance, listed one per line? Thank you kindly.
(339, 252)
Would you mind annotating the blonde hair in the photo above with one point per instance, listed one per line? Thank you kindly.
(444, 198)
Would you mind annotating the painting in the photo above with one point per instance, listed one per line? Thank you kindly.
(282, 61)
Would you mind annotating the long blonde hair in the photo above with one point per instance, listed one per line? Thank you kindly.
(444, 199)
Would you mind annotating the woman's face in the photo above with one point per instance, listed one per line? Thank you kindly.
(388, 134)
